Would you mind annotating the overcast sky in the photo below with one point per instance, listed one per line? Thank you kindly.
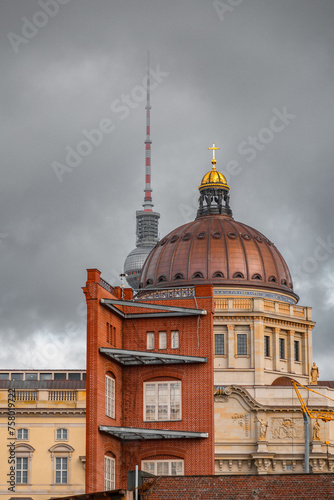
(255, 76)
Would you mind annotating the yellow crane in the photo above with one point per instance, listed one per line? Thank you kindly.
(325, 415)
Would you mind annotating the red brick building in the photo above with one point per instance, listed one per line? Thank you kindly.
(149, 385)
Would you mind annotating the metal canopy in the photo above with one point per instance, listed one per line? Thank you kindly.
(170, 310)
(133, 433)
(131, 358)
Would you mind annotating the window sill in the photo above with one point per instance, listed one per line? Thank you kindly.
(241, 356)
(269, 357)
(220, 355)
(155, 421)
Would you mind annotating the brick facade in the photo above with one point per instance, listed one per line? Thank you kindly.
(106, 328)
(273, 487)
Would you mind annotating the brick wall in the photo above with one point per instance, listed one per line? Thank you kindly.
(269, 487)
(196, 339)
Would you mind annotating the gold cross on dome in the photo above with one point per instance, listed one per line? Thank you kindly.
(213, 154)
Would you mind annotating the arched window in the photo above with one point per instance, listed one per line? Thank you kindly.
(218, 274)
(256, 277)
(272, 279)
(109, 472)
(178, 276)
(198, 275)
(61, 461)
(238, 275)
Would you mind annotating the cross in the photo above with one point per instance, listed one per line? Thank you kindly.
(213, 154)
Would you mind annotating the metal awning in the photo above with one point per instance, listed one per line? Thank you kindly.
(131, 358)
(165, 310)
(133, 433)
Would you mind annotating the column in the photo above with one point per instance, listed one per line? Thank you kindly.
(230, 346)
(258, 352)
(276, 349)
(291, 351)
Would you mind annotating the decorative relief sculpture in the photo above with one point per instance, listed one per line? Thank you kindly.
(314, 374)
(316, 431)
(263, 427)
(287, 428)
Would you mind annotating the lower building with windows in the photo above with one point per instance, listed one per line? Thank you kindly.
(43, 427)
(192, 375)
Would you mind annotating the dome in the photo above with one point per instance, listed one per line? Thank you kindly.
(214, 179)
(218, 250)
(133, 265)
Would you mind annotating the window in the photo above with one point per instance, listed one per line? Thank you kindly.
(267, 346)
(4, 376)
(45, 376)
(150, 340)
(59, 376)
(17, 376)
(22, 470)
(162, 401)
(282, 348)
(23, 434)
(74, 376)
(110, 397)
(296, 350)
(242, 344)
(163, 467)
(31, 376)
(162, 340)
(109, 473)
(175, 339)
(61, 470)
(219, 343)
(61, 434)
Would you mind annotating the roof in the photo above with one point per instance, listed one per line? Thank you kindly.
(326, 383)
(113, 494)
(43, 384)
(218, 250)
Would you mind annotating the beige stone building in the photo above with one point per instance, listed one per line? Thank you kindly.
(42, 433)
(258, 422)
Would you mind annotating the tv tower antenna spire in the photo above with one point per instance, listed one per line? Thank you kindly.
(147, 221)
(148, 204)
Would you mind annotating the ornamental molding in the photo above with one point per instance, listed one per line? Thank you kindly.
(78, 412)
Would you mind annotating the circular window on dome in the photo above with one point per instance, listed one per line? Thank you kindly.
(161, 279)
(201, 236)
(217, 235)
(284, 282)
(218, 274)
(246, 236)
(175, 238)
(178, 276)
(163, 241)
(256, 277)
(187, 236)
(197, 275)
(238, 275)
(258, 238)
(232, 235)
(272, 279)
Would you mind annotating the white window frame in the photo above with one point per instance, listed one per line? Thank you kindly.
(162, 340)
(156, 467)
(110, 396)
(109, 473)
(61, 431)
(159, 406)
(62, 469)
(149, 341)
(175, 340)
(24, 431)
(21, 470)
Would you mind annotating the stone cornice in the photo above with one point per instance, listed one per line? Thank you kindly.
(46, 411)
(288, 322)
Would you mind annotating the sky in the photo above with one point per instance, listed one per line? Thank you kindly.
(253, 76)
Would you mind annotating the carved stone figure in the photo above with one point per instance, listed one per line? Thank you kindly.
(314, 374)
(263, 428)
(316, 431)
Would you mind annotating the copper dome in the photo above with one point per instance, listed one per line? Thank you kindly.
(219, 250)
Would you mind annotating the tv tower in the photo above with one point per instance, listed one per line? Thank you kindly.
(146, 220)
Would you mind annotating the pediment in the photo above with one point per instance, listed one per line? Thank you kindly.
(24, 448)
(61, 448)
